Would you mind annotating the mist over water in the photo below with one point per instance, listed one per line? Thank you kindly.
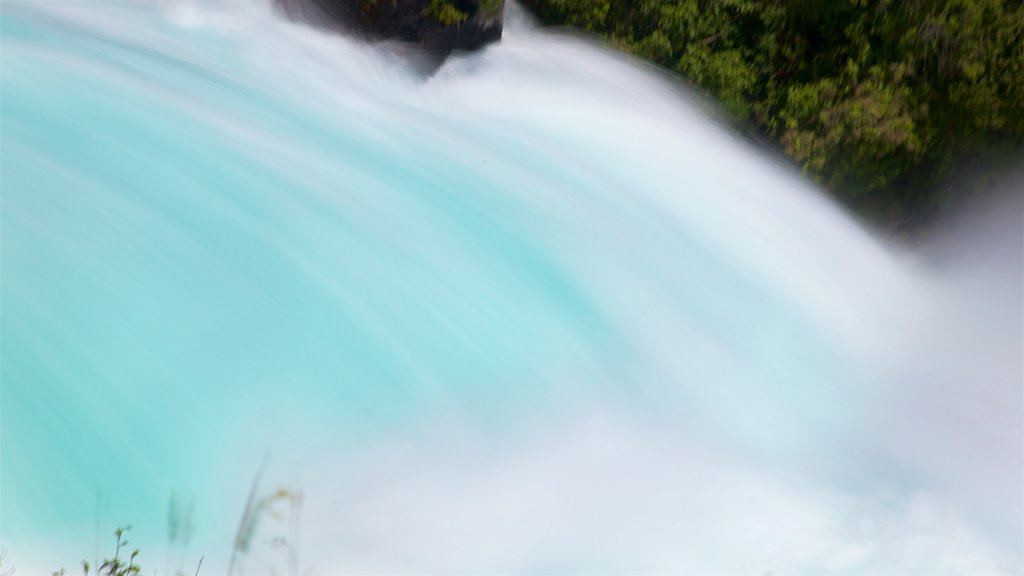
(535, 313)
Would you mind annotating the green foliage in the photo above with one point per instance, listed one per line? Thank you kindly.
(115, 566)
(446, 13)
(490, 7)
(879, 100)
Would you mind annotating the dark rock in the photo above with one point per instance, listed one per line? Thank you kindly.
(438, 27)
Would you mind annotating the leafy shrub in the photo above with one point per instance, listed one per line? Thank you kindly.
(446, 13)
(888, 104)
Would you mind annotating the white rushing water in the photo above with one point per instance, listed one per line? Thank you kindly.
(536, 313)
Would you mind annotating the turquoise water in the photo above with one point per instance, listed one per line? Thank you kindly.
(536, 312)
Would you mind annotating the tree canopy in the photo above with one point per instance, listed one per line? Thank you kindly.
(890, 104)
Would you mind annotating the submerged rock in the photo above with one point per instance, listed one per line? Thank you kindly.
(438, 27)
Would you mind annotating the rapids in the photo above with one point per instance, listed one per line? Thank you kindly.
(537, 312)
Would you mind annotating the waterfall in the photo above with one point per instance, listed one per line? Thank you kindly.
(535, 312)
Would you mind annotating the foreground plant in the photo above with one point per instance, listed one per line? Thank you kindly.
(6, 566)
(115, 566)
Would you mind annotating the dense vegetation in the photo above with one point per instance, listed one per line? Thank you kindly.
(895, 106)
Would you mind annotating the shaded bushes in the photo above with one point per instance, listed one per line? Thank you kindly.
(894, 106)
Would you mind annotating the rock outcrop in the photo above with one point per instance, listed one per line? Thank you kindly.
(438, 27)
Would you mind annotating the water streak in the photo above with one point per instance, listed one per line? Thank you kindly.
(535, 313)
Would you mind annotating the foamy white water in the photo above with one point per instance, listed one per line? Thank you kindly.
(536, 313)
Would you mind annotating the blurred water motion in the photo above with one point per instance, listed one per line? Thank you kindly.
(533, 313)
